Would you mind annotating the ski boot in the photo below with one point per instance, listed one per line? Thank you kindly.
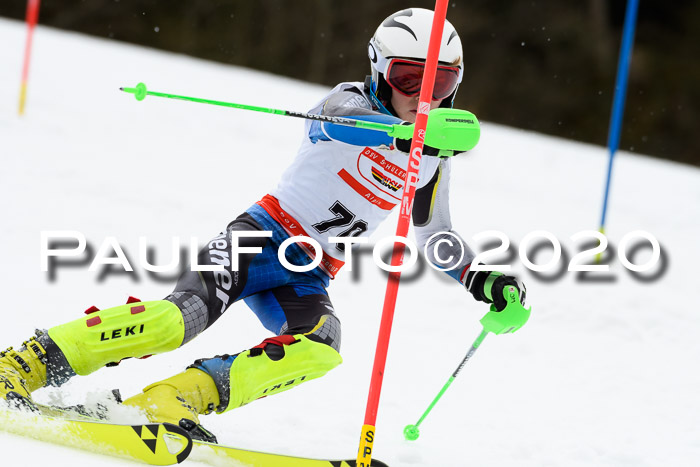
(180, 400)
(226, 382)
(21, 372)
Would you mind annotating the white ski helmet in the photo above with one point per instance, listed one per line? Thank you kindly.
(398, 50)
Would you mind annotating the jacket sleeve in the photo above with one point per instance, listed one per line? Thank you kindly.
(351, 104)
(443, 247)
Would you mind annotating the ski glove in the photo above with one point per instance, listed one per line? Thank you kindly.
(404, 145)
(487, 286)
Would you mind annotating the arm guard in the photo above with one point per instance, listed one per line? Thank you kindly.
(431, 216)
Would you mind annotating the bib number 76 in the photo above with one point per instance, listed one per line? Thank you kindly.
(343, 218)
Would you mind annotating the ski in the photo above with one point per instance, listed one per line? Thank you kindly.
(145, 443)
(219, 455)
(210, 453)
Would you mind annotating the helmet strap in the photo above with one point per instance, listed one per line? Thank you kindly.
(449, 101)
(388, 108)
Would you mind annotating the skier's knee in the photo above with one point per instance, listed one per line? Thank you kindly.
(195, 313)
(277, 364)
(327, 331)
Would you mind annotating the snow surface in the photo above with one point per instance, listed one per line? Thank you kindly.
(604, 374)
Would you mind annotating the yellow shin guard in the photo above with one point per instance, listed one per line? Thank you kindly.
(108, 336)
(185, 395)
(255, 373)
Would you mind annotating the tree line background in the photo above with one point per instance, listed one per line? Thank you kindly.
(542, 65)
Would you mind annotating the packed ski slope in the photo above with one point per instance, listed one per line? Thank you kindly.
(604, 374)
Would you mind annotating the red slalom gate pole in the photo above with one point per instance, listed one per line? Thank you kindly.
(32, 18)
(364, 454)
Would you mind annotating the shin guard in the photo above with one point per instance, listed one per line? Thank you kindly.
(278, 364)
(108, 336)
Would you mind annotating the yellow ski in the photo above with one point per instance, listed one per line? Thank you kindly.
(145, 443)
(219, 455)
(201, 451)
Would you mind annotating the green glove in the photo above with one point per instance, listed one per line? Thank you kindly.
(511, 318)
(449, 131)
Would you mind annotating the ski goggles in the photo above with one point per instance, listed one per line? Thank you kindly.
(406, 76)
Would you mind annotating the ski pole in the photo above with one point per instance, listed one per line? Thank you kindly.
(411, 432)
(508, 320)
(449, 130)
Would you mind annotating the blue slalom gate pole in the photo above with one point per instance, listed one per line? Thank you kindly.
(618, 108)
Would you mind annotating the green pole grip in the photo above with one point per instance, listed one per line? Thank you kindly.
(511, 318)
(449, 130)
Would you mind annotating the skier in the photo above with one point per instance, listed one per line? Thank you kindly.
(343, 183)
